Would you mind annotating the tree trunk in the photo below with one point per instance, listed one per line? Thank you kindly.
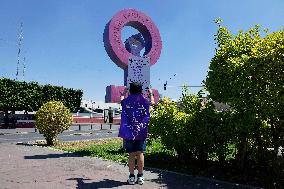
(222, 155)
(49, 140)
(259, 142)
(202, 156)
(242, 153)
(275, 136)
(184, 155)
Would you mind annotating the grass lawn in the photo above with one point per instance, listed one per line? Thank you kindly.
(111, 149)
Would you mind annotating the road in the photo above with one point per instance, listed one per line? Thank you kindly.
(73, 134)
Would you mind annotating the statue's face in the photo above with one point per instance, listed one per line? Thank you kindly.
(135, 44)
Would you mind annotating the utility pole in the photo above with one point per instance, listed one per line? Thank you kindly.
(20, 44)
(24, 67)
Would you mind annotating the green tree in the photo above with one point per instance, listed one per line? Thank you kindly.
(30, 96)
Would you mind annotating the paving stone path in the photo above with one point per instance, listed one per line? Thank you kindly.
(35, 167)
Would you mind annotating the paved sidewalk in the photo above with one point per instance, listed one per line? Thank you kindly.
(34, 167)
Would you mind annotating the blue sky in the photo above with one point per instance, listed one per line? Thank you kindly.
(63, 39)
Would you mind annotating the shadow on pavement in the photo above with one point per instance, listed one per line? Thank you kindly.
(47, 156)
(176, 181)
(24, 144)
(170, 181)
(106, 183)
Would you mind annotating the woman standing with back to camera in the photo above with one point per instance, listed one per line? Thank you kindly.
(135, 117)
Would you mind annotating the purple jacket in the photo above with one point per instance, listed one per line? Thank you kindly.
(135, 116)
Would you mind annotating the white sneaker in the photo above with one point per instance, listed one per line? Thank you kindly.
(140, 180)
(131, 180)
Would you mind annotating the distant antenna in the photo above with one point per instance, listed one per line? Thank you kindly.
(24, 67)
(20, 43)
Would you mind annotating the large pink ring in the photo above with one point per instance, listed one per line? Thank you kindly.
(112, 36)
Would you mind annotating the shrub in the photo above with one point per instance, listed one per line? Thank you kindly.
(193, 130)
(168, 124)
(52, 119)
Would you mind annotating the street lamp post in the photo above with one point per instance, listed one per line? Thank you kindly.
(92, 109)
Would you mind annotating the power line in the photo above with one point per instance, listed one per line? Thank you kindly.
(182, 86)
(191, 86)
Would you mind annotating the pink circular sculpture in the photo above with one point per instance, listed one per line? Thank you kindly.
(138, 20)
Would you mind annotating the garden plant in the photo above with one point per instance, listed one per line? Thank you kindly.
(52, 119)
